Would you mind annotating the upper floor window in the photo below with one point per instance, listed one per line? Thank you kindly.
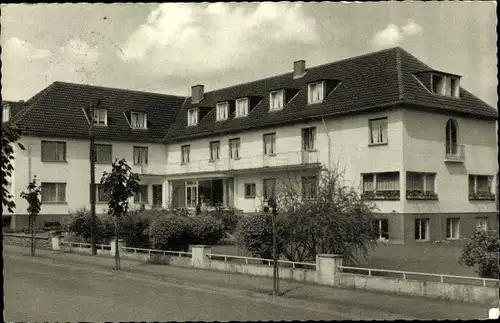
(420, 185)
(481, 187)
(309, 187)
(138, 120)
(103, 154)
(276, 100)
(446, 85)
(316, 92)
(270, 144)
(308, 138)
(140, 155)
(53, 151)
(378, 131)
(242, 107)
(222, 111)
(214, 150)
(101, 116)
(5, 113)
(381, 186)
(185, 154)
(451, 137)
(53, 192)
(234, 148)
(192, 117)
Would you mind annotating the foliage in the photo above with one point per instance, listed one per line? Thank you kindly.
(10, 136)
(170, 232)
(206, 229)
(482, 250)
(228, 217)
(80, 221)
(134, 227)
(33, 197)
(255, 234)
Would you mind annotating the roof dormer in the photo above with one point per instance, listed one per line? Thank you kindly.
(193, 115)
(5, 113)
(242, 107)
(440, 83)
(138, 120)
(276, 100)
(100, 117)
(319, 90)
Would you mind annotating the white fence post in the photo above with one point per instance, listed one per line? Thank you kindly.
(199, 257)
(121, 244)
(56, 240)
(327, 268)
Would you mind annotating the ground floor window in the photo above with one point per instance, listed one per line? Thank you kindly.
(421, 229)
(309, 187)
(141, 197)
(482, 223)
(452, 228)
(249, 190)
(269, 188)
(381, 227)
(102, 193)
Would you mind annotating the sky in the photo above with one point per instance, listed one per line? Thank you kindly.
(167, 48)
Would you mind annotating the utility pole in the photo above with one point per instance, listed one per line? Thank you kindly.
(92, 180)
(276, 286)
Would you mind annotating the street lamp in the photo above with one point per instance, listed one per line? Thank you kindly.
(272, 204)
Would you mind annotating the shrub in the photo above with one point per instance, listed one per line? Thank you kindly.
(170, 232)
(255, 234)
(482, 251)
(134, 228)
(228, 217)
(206, 229)
(79, 223)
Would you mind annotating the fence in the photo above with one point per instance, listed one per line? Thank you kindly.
(157, 251)
(269, 262)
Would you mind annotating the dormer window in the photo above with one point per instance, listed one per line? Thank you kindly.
(5, 113)
(276, 100)
(316, 92)
(446, 85)
(192, 117)
(100, 117)
(242, 107)
(138, 120)
(222, 111)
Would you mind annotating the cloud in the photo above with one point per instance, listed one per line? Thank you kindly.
(78, 49)
(190, 38)
(393, 35)
(21, 48)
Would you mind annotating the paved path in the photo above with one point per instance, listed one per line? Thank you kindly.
(71, 287)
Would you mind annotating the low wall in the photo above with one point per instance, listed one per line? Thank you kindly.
(25, 240)
(457, 292)
(158, 258)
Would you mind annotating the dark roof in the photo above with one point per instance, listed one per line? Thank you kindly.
(376, 80)
(15, 106)
(59, 111)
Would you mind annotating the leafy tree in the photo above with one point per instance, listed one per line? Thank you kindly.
(33, 197)
(482, 251)
(120, 184)
(10, 136)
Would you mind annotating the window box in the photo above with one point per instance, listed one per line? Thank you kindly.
(381, 195)
(482, 196)
(421, 195)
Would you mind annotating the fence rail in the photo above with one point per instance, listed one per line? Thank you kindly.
(85, 245)
(157, 251)
(406, 273)
(269, 261)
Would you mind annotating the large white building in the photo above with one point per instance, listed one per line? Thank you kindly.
(408, 136)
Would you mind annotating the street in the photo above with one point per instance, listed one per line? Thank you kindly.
(69, 287)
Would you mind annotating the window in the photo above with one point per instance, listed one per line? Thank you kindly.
(308, 138)
(309, 187)
(192, 117)
(451, 137)
(250, 190)
(270, 144)
(452, 228)
(142, 195)
(269, 188)
(53, 151)
(316, 92)
(140, 155)
(421, 229)
(276, 100)
(103, 154)
(214, 150)
(138, 120)
(234, 148)
(222, 111)
(381, 182)
(381, 228)
(185, 151)
(437, 84)
(481, 185)
(455, 87)
(53, 192)
(102, 193)
(482, 223)
(5, 113)
(242, 107)
(446, 85)
(420, 181)
(100, 117)
(378, 131)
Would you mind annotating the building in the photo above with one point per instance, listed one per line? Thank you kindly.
(407, 135)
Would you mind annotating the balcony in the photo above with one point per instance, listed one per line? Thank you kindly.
(454, 153)
(294, 158)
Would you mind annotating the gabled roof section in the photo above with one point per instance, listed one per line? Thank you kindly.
(60, 110)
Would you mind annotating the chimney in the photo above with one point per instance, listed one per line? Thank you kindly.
(299, 68)
(196, 93)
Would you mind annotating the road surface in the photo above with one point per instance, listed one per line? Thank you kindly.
(57, 287)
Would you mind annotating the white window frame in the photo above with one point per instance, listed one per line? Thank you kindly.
(380, 236)
(425, 179)
(58, 145)
(234, 144)
(185, 154)
(137, 115)
(375, 181)
(141, 155)
(279, 103)
(310, 143)
(214, 147)
(452, 228)
(193, 115)
(427, 227)
(58, 187)
(96, 154)
(455, 90)
(381, 128)
(269, 140)
(318, 96)
(222, 110)
(139, 197)
(100, 117)
(242, 109)
(6, 113)
(253, 190)
(489, 178)
(100, 188)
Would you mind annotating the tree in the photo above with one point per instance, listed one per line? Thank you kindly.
(120, 185)
(482, 251)
(10, 136)
(34, 205)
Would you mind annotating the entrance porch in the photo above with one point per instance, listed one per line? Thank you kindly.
(207, 192)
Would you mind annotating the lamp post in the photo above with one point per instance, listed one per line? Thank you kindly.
(274, 212)
(92, 179)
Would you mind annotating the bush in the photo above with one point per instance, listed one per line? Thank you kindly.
(255, 234)
(228, 217)
(134, 228)
(482, 251)
(79, 223)
(170, 232)
(207, 230)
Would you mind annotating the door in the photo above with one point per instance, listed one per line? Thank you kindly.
(191, 194)
(157, 196)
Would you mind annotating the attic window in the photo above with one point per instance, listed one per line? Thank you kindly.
(100, 117)
(316, 92)
(222, 111)
(242, 107)
(192, 117)
(138, 120)
(276, 100)
(5, 113)
(446, 85)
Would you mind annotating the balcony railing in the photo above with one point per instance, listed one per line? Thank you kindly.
(248, 162)
(454, 153)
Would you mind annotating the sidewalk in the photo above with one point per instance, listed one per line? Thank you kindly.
(254, 286)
